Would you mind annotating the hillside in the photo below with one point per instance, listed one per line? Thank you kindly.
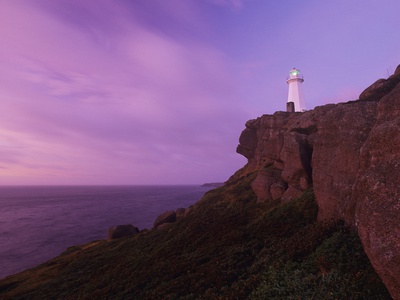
(314, 214)
(228, 247)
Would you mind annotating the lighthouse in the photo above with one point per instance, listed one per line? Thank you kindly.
(295, 97)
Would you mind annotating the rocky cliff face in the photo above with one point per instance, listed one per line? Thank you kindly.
(350, 154)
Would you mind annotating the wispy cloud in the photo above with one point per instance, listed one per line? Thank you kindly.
(158, 91)
(109, 97)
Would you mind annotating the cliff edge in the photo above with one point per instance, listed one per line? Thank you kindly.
(349, 153)
(316, 204)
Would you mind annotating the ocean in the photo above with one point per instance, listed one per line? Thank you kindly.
(39, 222)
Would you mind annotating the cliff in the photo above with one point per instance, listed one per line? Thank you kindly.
(314, 214)
(349, 153)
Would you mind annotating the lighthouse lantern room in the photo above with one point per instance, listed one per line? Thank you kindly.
(295, 97)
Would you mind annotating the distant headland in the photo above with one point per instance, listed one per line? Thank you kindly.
(213, 184)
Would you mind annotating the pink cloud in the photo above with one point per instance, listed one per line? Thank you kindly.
(86, 103)
(158, 91)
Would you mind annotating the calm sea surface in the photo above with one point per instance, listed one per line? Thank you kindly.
(38, 223)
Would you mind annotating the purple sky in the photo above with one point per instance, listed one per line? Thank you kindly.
(157, 92)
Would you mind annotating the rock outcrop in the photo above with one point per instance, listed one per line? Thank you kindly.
(166, 217)
(349, 153)
(120, 231)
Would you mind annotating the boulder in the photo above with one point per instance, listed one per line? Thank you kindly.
(120, 231)
(375, 91)
(261, 185)
(381, 87)
(164, 226)
(167, 217)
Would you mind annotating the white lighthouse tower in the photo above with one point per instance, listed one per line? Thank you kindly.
(296, 96)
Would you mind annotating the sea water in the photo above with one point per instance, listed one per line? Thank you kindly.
(39, 222)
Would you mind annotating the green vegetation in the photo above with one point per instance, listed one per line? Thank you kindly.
(227, 247)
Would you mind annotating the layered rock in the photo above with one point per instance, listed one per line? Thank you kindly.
(349, 153)
(279, 147)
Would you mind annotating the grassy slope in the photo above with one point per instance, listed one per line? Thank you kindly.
(228, 247)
